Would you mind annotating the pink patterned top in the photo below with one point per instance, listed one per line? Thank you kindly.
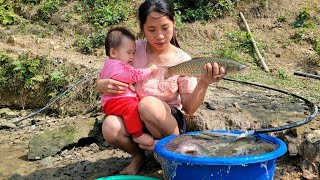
(167, 90)
(118, 70)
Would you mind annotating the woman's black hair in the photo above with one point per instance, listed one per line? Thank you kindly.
(164, 7)
(114, 38)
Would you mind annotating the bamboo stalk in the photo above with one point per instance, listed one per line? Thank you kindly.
(265, 67)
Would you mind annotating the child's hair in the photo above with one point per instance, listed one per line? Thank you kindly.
(164, 7)
(114, 38)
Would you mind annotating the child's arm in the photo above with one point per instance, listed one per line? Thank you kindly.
(124, 72)
(136, 75)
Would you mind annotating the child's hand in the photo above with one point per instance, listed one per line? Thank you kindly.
(153, 68)
(144, 139)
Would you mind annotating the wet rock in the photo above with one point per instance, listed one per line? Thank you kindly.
(311, 156)
(8, 113)
(293, 149)
(94, 147)
(314, 136)
(6, 125)
(307, 174)
(47, 161)
(23, 113)
(235, 104)
(293, 146)
(51, 142)
(209, 106)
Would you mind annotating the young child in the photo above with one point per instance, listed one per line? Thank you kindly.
(120, 47)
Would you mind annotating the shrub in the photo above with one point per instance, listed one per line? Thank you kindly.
(302, 20)
(7, 16)
(317, 46)
(47, 8)
(26, 74)
(31, 1)
(203, 10)
(88, 44)
(104, 13)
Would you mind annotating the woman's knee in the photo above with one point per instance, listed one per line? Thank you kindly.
(112, 128)
(152, 109)
(147, 103)
(150, 104)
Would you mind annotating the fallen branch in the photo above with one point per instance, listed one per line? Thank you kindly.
(265, 67)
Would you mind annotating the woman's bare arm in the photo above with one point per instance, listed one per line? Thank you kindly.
(192, 101)
(110, 86)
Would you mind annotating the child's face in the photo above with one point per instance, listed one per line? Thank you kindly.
(126, 51)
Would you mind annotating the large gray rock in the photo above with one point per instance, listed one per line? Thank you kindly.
(311, 155)
(51, 142)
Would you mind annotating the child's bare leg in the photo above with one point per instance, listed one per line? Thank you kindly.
(144, 139)
(115, 133)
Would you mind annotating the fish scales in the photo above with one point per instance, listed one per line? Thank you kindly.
(195, 66)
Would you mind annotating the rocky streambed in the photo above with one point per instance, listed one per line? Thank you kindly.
(52, 146)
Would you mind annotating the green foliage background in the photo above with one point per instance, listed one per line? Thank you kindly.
(94, 18)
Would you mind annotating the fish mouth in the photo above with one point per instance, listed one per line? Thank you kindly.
(241, 67)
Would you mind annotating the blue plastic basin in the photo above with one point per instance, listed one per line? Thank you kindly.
(255, 167)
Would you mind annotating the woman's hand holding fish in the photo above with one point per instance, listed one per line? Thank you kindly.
(213, 73)
(110, 86)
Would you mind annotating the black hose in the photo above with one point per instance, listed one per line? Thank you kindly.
(306, 75)
(16, 120)
(313, 109)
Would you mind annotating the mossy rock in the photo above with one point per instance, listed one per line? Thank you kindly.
(51, 142)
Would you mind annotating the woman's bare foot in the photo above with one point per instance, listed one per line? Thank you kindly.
(144, 139)
(135, 165)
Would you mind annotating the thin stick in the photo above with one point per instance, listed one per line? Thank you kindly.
(265, 67)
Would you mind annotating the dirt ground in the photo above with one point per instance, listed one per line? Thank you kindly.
(93, 158)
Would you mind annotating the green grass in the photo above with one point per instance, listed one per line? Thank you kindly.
(238, 47)
(308, 88)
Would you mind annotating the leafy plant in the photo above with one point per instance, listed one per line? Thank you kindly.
(238, 47)
(27, 75)
(282, 74)
(203, 10)
(316, 46)
(281, 19)
(242, 40)
(299, 35)
(88, 44)
(31, 1)
(7, 16)
(47, 8)
(56, 82)
(302, 20)
(105, 13)
(264, 3)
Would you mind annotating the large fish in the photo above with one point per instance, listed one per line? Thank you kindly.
(194, 67)
(193, 148)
